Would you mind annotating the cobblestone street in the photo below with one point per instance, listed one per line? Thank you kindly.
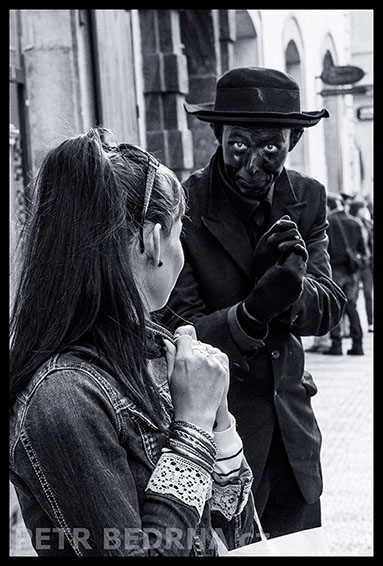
(344, 410)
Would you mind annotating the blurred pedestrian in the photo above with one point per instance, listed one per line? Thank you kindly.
(116, 424)
(320, 343)
(360, 211)
(347, 200)
(256, 278)
(347, 252)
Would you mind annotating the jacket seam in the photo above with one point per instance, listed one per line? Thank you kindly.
(147, 446)
(25, 399)
(99, 379)
(118, 404)
(48, 490)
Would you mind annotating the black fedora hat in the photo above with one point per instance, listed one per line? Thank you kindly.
(255, 95)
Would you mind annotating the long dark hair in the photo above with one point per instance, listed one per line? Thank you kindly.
(76, 284)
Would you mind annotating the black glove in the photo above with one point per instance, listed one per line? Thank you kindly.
(279, 240)
(277, 289)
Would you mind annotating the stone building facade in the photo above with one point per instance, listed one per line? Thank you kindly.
(131, 70)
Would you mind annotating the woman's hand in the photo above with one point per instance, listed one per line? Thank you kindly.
(198, 380)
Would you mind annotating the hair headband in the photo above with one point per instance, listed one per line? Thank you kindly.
(131, 151)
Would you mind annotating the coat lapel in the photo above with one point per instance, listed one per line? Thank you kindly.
(223, 223)
(285, 200)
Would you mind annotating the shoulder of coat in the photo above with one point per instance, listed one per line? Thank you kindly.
(304, 185)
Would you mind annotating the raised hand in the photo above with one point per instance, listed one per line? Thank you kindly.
(282, 238)
(199, 380)
(277, 289)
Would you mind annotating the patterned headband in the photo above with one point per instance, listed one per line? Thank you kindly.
(138, 154)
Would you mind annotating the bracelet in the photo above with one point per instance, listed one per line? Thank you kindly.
(206, 448)
(194, 441)
(208, 459)
(176, 444)
(197, 429)
(180, 448)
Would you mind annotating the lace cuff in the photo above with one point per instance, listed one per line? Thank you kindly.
(230, 498)
(181, 478)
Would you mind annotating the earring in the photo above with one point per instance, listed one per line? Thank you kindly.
(160, 263)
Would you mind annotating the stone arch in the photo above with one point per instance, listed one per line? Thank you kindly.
(331, 127)
(247, 44)
(292, 33)
(328, 47)
(294, 66)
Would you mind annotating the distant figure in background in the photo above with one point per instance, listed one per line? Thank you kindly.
(360, 211)
(347, 251)
(347, 200)
(319, 345)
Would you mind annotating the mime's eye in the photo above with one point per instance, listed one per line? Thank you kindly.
(239, 146)
(271, 148)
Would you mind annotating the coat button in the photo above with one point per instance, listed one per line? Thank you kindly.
(236, 366)
(275, 354)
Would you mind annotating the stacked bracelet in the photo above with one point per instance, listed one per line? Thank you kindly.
(193, 442)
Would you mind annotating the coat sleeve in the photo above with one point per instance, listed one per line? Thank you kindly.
(362, 246)
(316, 312)
(321, 304)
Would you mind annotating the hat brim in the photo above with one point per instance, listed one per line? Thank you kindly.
(206, 113)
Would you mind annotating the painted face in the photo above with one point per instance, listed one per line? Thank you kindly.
(254, 157)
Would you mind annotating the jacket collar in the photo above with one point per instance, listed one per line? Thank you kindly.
(285, 200)
(222, 221)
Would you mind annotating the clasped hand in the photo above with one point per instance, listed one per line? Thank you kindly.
(198, 381)
(278, 242)
(280, 260)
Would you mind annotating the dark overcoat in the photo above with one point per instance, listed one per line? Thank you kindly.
(350, 236)
(270, 381)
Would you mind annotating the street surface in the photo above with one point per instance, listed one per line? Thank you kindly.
(344, 411)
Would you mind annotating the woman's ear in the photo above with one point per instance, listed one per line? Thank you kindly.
(152, 243)
(295, 136)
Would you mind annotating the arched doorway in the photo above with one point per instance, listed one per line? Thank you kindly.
(246, 48)
(293, 66)
(331, 136)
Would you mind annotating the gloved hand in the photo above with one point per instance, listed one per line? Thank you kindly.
(279, 240)
(277, 289)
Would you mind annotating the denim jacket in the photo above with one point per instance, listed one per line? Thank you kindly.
(83, 458)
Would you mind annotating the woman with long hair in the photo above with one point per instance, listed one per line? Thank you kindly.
(121, 438)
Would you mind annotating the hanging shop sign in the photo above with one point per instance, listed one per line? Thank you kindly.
(365, 113)
(359, 89)
(342, 75)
